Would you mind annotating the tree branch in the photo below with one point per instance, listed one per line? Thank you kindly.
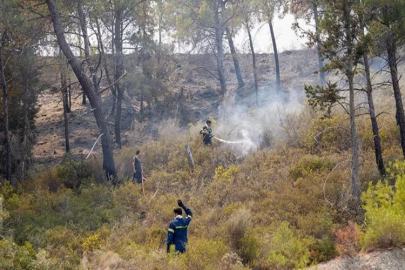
(114, 83)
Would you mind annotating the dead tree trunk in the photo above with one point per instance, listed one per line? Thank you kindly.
(252, 49)
(6, 119)
(90, 91)
(276, 61)
(234, 58)
(392, 62)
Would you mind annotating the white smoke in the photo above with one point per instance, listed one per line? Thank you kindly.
(245, 126)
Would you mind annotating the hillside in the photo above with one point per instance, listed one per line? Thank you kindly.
(190, 73)
(278, 200)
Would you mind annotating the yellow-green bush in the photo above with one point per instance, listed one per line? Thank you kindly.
(204, 254)
(287, 249)
(16, 257)
(272, 209)
(328, 134)
(310, 164)
(385, 214)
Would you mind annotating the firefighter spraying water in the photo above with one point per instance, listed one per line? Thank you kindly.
(207, 136)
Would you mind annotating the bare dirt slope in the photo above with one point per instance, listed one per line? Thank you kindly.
(50, 145)
(194, 74)
(380, 260)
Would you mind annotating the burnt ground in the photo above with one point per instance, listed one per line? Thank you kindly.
(193, 75)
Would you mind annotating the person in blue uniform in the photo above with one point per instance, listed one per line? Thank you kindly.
(177, 232)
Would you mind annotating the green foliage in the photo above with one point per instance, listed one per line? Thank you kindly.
(331, 134)
(266, 210)
(204, 254)
(309, 165)
(15, 256)
(249, 247)
(385, 213)
(287, 250)
(323, 97)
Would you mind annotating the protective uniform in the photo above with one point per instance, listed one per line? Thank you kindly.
(207, 135)
(177, 232)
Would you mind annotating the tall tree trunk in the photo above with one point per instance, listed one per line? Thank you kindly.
(84, 100)
(90, 91)
(160, 18)
(273, 40)
(87, 54)
(392, 62)
(113, 89)
(119, 71)
(6, 119)
(141, 109)
(252, 49)
(70, 97)
(354, 144)
(318, 45)
(64, 91)
(105, 64)
(220, 48)
(353, 129)
(26, 129)
(374, 124)
(234, 58)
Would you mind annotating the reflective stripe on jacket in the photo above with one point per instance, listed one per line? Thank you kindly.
(177, 232)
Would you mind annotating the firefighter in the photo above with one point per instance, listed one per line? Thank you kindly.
(206, 133)
(177, 232)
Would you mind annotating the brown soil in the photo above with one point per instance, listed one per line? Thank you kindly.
(195, 75)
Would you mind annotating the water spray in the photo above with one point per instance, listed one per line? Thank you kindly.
(234, 142)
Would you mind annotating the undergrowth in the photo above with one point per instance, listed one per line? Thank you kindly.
(278, 208)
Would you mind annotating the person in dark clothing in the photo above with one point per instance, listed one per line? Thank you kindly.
(137, 166)
(177, 232)
(206, 132)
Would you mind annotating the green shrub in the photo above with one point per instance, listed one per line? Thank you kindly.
(204, 254)
(308, 165)
(330, 134)
(240, 235)
(322, 250)
(385, 214)
(287, 249)
(14, 256)
(249, 247)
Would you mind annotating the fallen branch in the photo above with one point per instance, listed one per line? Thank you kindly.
(94, 145)
(326, 180)
(92, 110)
(114, 83)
